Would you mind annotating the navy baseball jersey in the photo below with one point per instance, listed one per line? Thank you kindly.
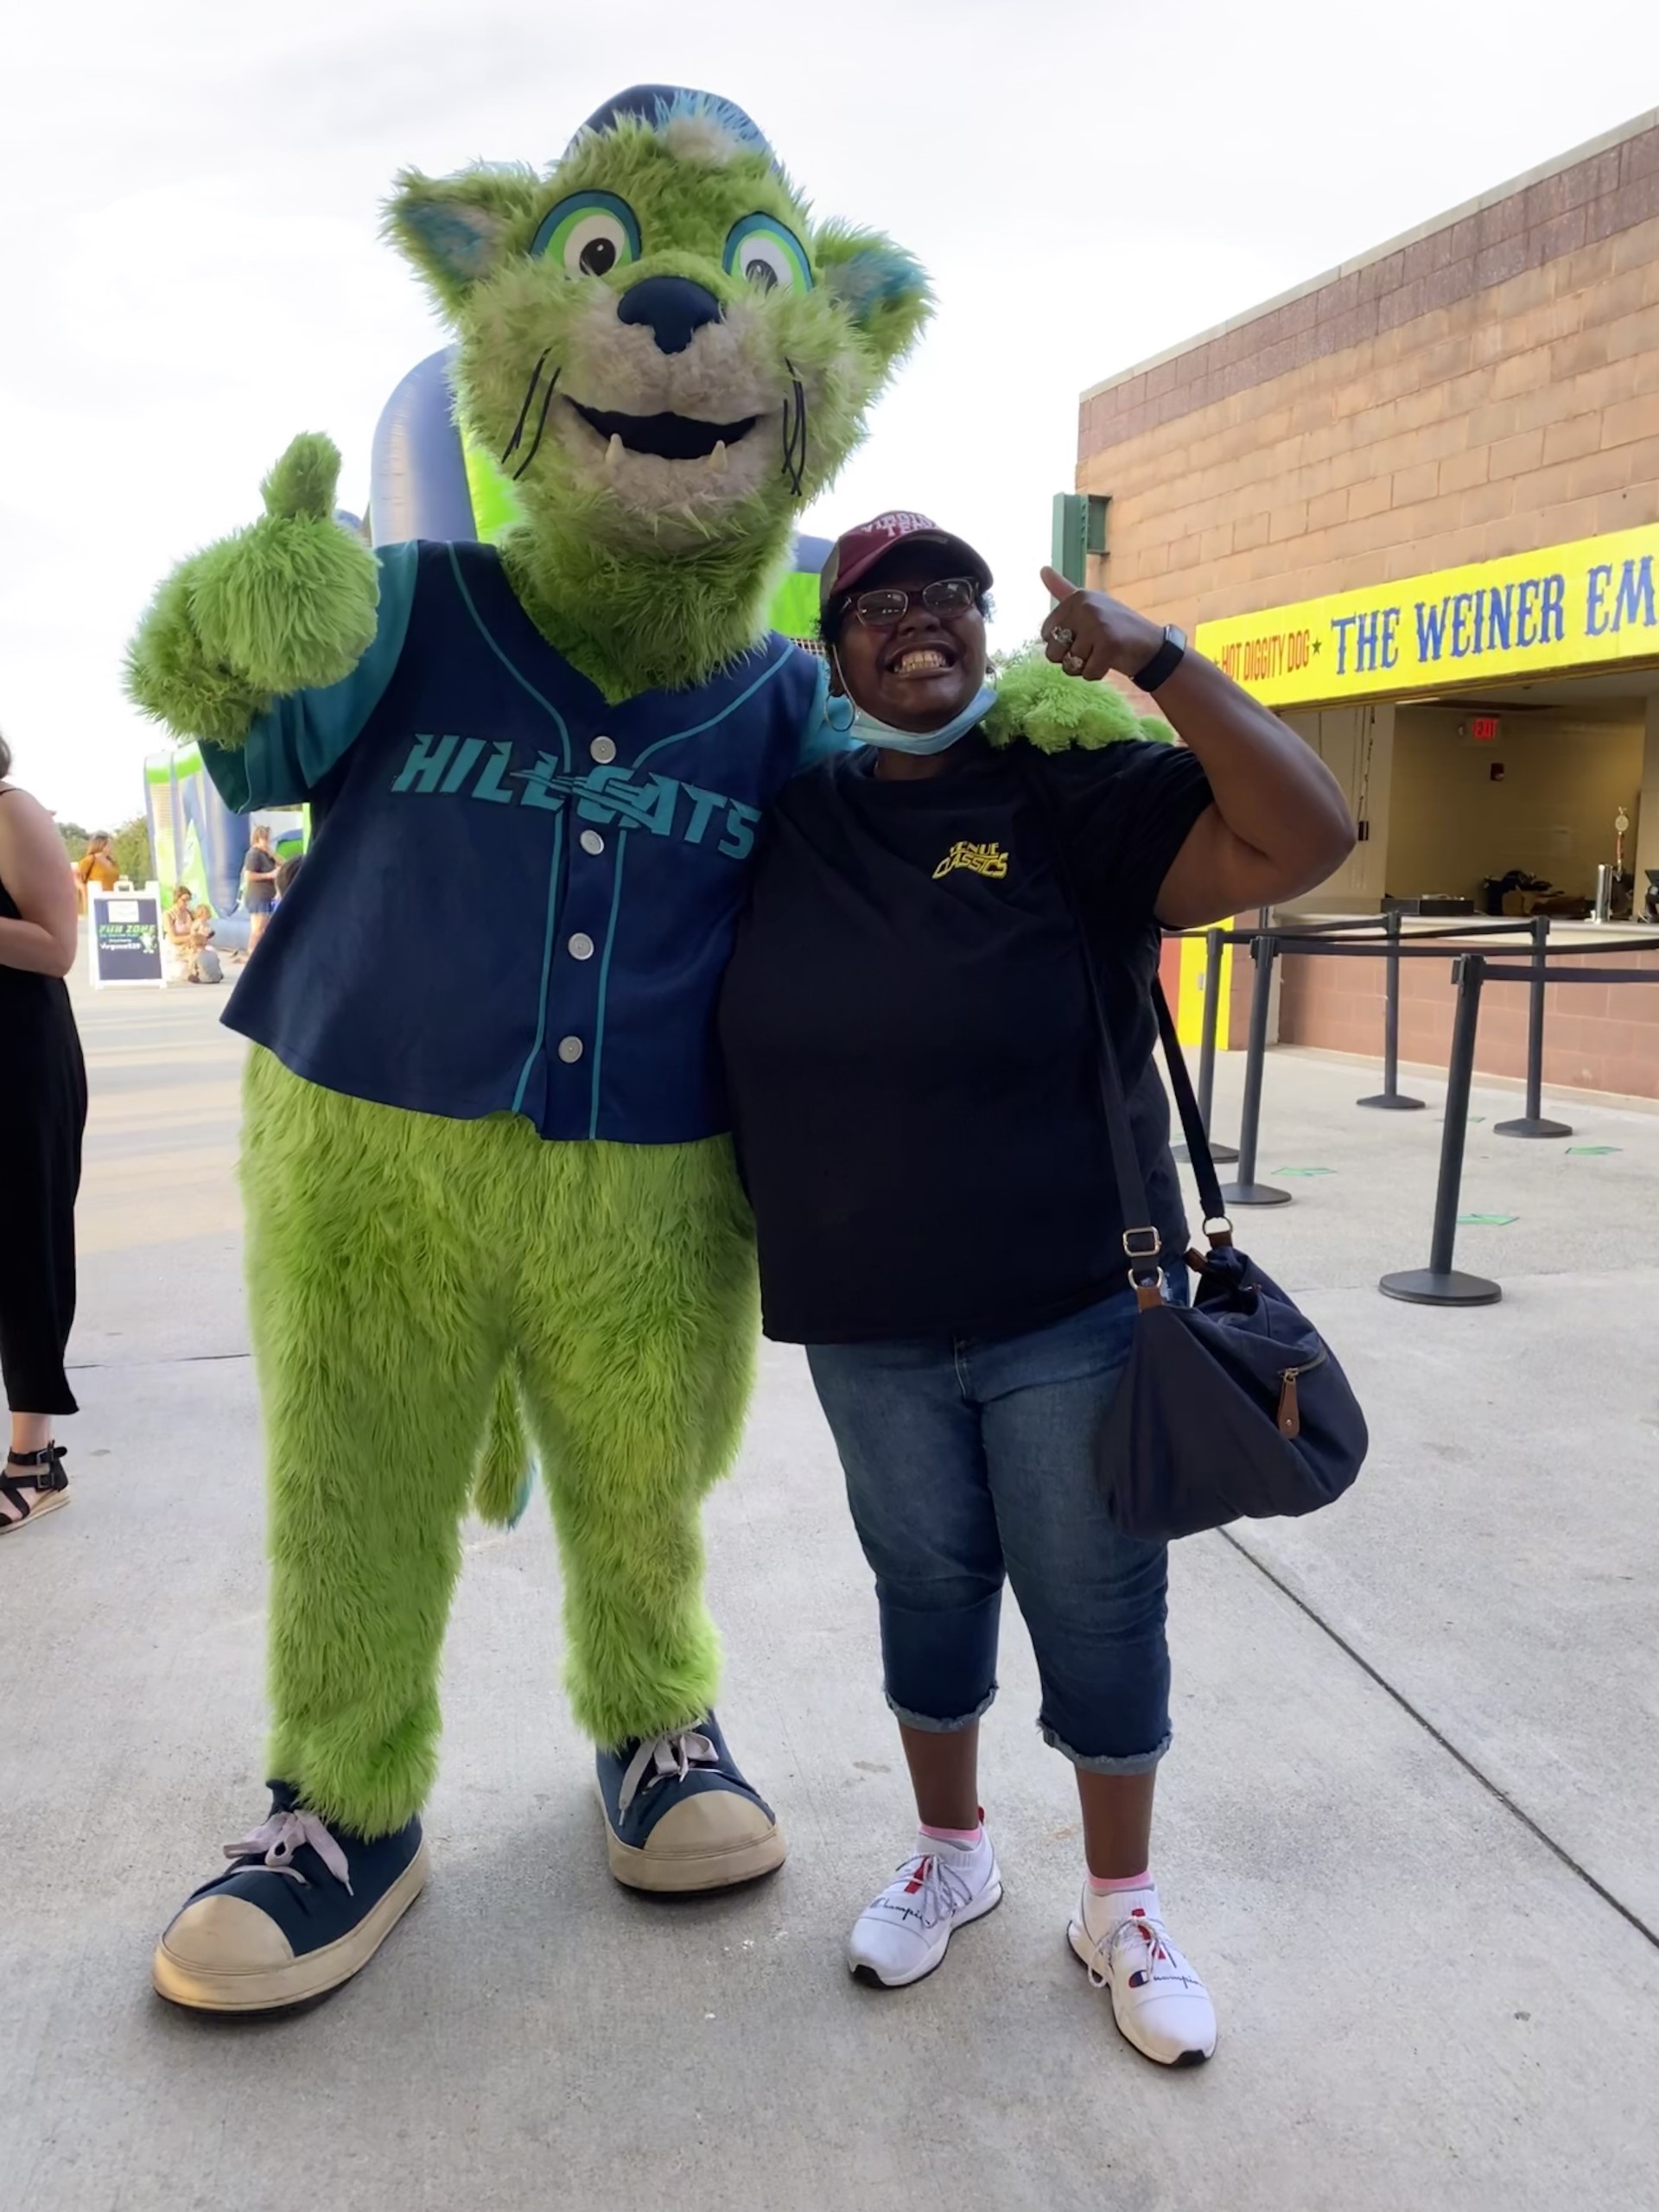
(517, 897)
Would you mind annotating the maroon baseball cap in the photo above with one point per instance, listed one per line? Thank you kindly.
(856, 551)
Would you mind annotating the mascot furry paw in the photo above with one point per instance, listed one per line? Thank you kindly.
(484, 1154)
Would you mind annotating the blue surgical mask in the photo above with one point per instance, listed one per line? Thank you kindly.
(849, 720)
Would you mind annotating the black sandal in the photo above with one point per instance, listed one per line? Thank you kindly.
(42, 1472)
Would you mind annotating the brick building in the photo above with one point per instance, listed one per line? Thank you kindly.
(1413, 506)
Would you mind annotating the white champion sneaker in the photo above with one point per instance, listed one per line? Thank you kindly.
(902, 1935)
(1158, 2001)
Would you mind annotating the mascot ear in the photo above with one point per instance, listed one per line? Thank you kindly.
(453, 229)
(883, 288)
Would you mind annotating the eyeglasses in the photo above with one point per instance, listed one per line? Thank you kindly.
(880, 610)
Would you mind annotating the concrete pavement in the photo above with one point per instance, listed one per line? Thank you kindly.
(1406, 1830)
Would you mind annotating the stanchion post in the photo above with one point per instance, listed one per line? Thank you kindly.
(1439, 1282)
(1532, 1122)
(1247, 1191)
(1213, 950)
(1390, 1097)
(1214, 943)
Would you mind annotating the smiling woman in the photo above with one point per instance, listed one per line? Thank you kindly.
(907, 1029)
(921, 678)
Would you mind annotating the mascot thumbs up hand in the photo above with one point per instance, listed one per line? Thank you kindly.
(287, 605)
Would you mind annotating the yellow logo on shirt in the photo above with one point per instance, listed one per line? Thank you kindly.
(984, 859)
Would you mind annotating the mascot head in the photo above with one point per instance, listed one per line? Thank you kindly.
(666, 352)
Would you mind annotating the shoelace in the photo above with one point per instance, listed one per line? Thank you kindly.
(660, 1757)
(1159, 1950)
(940, 1888)
(280, 1837)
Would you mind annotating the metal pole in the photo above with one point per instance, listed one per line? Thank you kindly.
(1390, 1097)
(1247, 1191)
(1532, 1122)
(1213, 953)
(1213, 959)
(1439, 1282)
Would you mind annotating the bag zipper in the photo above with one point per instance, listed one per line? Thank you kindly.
(1290, 1414)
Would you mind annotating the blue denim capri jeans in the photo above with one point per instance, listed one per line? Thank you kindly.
(972, 1461)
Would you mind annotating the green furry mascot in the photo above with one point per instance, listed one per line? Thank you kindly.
(485, 1157)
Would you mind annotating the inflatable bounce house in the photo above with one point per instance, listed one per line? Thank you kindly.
(193, 836)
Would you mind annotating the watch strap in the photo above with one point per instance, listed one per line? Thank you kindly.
(1164, 663)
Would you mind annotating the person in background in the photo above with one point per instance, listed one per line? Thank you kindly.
(96, 870)
(42, 1115)
(286, 872)
(204, 961)
(259, 884)
(177, 922)
(914, 1074)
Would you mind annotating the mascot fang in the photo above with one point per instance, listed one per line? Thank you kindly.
(485, 1156)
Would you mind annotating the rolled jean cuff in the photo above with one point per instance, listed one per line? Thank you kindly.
(1105, 1762)
(928, 1725)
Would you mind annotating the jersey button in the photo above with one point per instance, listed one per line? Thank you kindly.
(592, 842)
(582, 946)
(570, 1048)
(603, 749)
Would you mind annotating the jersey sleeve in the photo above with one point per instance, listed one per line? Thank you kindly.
(291, 747)
(1127, 811)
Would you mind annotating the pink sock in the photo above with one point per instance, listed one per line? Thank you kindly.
(1103, 1885)
(952, 1835)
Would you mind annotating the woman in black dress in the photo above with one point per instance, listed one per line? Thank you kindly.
(42, 1114)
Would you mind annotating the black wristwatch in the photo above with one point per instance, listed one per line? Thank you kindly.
(1164, 663)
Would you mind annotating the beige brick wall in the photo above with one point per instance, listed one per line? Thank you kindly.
(1276, 462)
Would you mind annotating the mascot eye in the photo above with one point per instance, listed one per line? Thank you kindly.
(765, 254)
(589, 234)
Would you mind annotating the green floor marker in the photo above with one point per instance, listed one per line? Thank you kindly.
(1486, 1220)
(1304, 1171)
(1594, 1151)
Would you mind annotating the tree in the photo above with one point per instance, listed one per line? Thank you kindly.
(74, 838)
(130, 850)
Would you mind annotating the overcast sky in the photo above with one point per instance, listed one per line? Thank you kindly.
(190, 192)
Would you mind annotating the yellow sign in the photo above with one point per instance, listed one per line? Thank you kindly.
(1575, 606)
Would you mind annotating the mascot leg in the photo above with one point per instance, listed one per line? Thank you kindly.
(380, 1325)
(636, 1350)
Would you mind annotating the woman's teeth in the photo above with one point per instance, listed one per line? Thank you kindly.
(923, 662)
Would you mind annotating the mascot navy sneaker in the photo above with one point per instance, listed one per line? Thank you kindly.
(302, 1908)
(679, 1815)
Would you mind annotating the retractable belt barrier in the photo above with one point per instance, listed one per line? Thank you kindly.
(1439, 1283)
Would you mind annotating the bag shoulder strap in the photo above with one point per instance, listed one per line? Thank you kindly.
(1126, 1164)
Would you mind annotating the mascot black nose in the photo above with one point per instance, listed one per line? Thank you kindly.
(673, 308)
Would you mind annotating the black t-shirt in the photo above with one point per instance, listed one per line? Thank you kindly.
(260, 868)
(909, 1050)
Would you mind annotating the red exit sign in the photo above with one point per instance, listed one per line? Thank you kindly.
(1483, 729)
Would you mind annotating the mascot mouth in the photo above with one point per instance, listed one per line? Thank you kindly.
(667, 437)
